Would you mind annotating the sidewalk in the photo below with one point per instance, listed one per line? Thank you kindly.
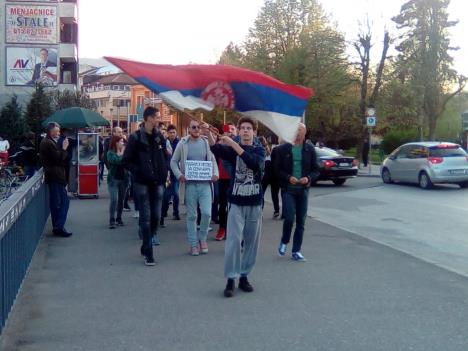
(92, 292)
(369, 171)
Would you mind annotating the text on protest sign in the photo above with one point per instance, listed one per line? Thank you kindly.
(198, 170)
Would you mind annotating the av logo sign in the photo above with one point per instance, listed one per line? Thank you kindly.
(21, 64)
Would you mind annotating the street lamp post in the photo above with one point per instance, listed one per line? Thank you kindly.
(112, 117)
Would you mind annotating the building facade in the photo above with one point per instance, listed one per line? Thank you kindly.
(110, 94)
(39, 45)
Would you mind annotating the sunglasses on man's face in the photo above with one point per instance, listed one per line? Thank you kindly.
(195, 127)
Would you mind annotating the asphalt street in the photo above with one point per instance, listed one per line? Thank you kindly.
(428, 224)
(92, 291)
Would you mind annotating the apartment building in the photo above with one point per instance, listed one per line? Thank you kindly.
(39, 45)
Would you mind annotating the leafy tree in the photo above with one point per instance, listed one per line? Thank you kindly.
(68, 98)
(232, 55)
(294, 41)
(37, 110)
(424, 57)
(12, 123)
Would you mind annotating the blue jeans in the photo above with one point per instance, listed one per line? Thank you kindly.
(171, 191)
(295, 201)
(197, 194)
(59, 203)
(117, 189)
(149, 204)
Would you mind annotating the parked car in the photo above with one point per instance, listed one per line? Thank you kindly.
(427, 163)
(334, 166)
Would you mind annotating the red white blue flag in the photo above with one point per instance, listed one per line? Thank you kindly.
(277, 105)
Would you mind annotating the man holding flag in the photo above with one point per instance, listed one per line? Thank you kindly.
(245, 203)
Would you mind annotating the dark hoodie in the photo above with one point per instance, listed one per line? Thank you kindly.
(246, 173)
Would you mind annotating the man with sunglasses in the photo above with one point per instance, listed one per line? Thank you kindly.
(194, 147)
(145, 156)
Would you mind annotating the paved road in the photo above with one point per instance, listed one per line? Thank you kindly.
(430, 224)
(92, 292)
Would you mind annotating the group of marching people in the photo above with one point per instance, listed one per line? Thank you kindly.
(155, 161)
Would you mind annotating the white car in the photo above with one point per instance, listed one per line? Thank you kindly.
(427, 163)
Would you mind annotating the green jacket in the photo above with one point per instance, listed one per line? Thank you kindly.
(115, 167)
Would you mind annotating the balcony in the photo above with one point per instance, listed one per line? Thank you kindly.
(68, 52)
(68, 12)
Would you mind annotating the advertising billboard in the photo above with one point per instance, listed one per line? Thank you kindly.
(28, 66)
(32, 24)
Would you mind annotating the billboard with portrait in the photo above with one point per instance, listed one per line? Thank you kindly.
(31, 24)
(28, 66)
(88, 149)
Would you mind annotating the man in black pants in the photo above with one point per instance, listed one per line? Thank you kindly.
(145, 157)
(53, 158)
(296, 167)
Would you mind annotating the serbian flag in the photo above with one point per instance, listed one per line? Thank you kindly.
(277, 105)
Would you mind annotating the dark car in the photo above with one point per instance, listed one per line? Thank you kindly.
(334, 166)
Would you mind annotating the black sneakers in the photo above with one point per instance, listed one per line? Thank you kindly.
(62, 232)
(149, 261)
(112, 224)
(244, 285)
(229, 290)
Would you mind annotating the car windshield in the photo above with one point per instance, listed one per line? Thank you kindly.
(325, 151)
(446, 151)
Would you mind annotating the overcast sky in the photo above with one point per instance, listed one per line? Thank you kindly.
(184, 31)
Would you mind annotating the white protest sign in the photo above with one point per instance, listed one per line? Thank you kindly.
(198, 170)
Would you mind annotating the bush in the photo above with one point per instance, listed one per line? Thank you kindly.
(395, 138)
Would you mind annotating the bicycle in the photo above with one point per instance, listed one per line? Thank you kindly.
(9, 181)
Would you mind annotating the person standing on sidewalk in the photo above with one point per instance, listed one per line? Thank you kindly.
(194, 147)
(145, 157)
(365, 151)
(117, 180)
(53, 159)
(245, 203)
(296, 167)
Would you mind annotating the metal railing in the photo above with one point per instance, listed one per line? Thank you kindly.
(22, 219)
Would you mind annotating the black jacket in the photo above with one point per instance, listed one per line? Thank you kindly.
(283, 163)
(147, 164)
(53, 159)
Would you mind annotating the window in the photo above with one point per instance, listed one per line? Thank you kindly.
(68, 32)
(68, 72)
(403, 152)
(417, 151)
(446, 151)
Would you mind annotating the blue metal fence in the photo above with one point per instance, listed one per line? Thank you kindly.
(22, 219)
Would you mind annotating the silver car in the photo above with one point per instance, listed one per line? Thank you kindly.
(427, 163)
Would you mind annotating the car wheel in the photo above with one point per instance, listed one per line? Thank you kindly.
(339, 181)
(463, 185)
(386, 176)
(424, 181)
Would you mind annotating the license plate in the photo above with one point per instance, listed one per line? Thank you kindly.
(343, 164)
(457, 171)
